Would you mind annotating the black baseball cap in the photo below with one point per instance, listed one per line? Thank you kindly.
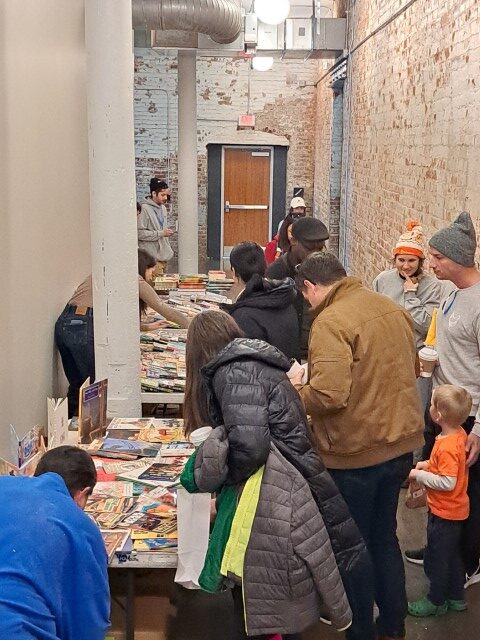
(309, 229)
(157, 185)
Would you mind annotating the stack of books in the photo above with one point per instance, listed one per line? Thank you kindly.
(166, 282)
(218, 283)
(137, 510)
(196, 282)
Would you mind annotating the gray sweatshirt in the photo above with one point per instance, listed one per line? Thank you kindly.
(419, 303)
(151, 224)
(458, 344)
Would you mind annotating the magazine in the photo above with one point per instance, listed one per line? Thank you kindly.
(114, 489)
(177, 448)
(164, 527)
(131, 447)
(100, 504)
(92, 419)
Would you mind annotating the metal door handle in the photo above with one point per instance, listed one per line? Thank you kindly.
(245, 207)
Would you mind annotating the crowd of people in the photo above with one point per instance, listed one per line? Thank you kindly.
(305, 463)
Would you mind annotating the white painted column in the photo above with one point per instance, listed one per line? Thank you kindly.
(187, 163)
(113, 224)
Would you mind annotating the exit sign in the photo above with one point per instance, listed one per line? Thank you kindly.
(246, 121)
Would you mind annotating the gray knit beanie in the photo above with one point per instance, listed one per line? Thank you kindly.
(458, 241)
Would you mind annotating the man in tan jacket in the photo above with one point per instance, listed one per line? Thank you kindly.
(366, 417)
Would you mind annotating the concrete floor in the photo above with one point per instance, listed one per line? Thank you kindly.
(200, 616)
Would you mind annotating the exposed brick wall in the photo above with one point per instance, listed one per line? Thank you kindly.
(280, 104)
(412, 125)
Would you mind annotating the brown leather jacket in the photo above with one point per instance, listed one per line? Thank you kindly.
(361, 394)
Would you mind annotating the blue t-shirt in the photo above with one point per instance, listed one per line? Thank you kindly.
(53, 564)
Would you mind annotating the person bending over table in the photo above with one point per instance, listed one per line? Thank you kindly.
(74, 327)
(53, 562)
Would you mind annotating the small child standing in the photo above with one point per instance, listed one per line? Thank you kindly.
(445, 477)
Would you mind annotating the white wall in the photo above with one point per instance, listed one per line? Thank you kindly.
(44, 197)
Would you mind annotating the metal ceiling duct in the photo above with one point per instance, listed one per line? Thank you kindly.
(219, 19)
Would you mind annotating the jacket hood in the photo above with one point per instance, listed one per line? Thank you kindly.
(148, 200)
(262, 293)
(247, 349)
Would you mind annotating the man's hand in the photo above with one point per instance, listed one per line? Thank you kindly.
(472, 448)
(413, 474)
(168, 232)
(296, 379)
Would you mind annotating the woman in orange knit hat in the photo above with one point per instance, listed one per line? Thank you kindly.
(406, 284)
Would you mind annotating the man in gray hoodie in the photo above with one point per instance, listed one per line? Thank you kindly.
(153, 232)
(452, 257)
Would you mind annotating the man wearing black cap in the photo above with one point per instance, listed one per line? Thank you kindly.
(153, 232)
(452, 257)
(308, 236)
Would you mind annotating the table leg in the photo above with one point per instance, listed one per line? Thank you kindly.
(130, 606)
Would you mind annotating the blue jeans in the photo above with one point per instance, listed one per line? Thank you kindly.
(74, 339)
(372, 497)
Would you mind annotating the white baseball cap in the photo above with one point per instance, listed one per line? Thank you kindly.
(298, 202)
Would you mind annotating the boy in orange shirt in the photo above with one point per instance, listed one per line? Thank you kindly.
(445, 477)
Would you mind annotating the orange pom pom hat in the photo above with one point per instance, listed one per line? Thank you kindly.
(413, 242)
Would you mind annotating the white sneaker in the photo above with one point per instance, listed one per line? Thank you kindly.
(473, 578)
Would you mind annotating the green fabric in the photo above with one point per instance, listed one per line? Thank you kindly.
(211, 579)
(236, 548)
(187, 479)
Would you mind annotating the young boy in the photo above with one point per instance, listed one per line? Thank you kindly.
(445, 477)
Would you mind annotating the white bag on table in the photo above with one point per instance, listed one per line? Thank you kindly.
(193, 526)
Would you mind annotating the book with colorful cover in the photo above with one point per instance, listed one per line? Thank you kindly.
(162, 527)
(155, 544)
(100, 504)
(165, 474)
(177, 448)
(114, 540)
(130, 447)
(105, 520)
(115, 489)
(92, 419)
(134, 476)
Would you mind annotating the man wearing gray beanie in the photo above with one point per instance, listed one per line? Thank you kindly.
(458, 241)
(452, 257)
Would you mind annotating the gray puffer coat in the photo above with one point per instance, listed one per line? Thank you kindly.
(289, 567)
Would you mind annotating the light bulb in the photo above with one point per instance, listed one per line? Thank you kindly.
(262, 63)
(272, 11)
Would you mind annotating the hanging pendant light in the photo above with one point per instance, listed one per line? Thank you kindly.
(272, 11)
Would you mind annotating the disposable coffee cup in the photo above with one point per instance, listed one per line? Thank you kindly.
(428, 358)
(200, 435)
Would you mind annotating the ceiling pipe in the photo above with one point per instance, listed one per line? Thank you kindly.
(219, 19)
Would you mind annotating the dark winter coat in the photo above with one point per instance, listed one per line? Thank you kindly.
(279, 270)
(289, 569)
(265, 311)
(248, 392)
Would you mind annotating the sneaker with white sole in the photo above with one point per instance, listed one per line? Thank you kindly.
(473, 578)
(415, 556)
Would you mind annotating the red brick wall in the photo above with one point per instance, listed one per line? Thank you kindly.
(412, 125)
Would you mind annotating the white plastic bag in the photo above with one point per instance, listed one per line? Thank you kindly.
(193, 519)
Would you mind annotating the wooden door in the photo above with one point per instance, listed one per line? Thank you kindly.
(246, 188)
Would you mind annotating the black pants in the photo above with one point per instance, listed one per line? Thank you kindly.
(470, 542)
(372, 497)
(239, 620)
(74, 339)
(443, 562)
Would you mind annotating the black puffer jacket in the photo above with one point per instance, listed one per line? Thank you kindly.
(248, 392)
(265, 311)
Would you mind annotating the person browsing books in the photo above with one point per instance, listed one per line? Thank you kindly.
(74, 327)
(53, 562)
(445, 477)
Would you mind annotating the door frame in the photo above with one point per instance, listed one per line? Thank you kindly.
(215, 190)
(223, 257)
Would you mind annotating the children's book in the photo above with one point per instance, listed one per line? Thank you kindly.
(114, 540)
(92, 419)
(162, 527)
(57, 422)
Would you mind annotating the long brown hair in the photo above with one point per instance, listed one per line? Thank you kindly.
(208, 334)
